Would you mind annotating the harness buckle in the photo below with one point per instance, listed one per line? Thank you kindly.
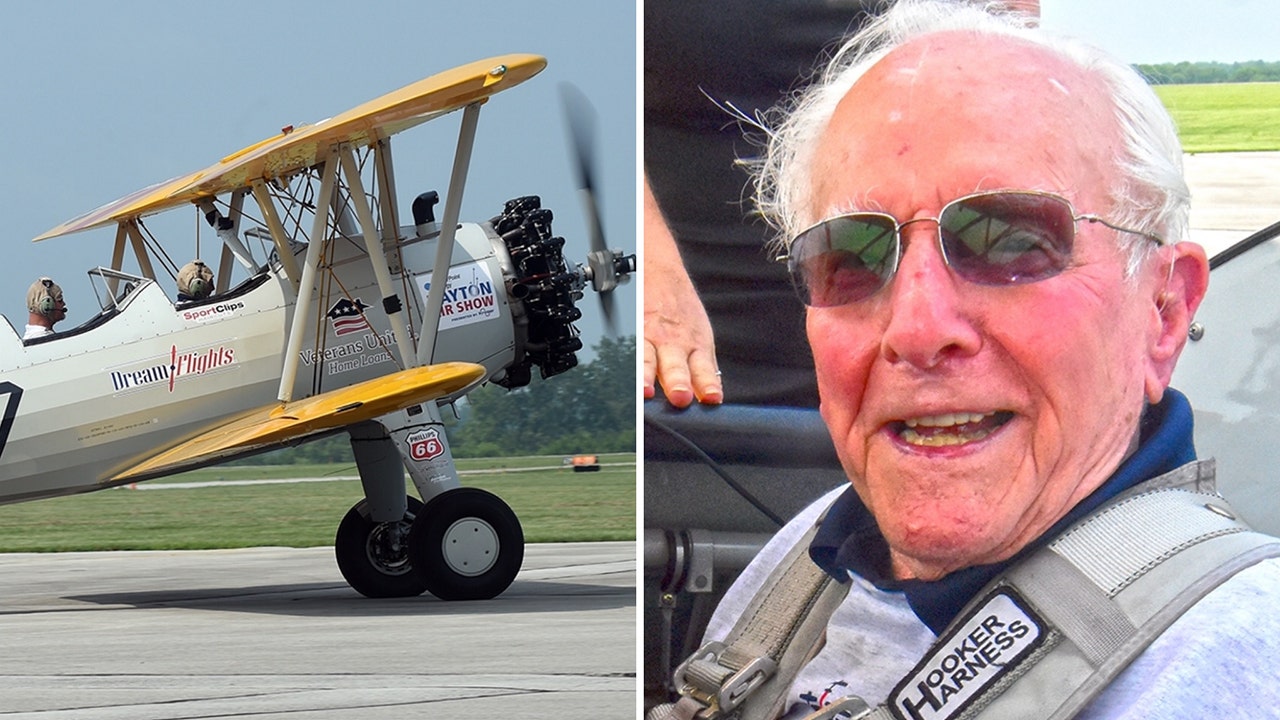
(746, 680)
(734, 684)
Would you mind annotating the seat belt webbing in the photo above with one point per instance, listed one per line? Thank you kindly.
(781, 626)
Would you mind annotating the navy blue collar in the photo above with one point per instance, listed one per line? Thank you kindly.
(850, 541)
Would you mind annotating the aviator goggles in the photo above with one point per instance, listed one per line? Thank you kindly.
(1004, 237)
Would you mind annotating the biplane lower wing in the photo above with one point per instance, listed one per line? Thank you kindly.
(279, 423)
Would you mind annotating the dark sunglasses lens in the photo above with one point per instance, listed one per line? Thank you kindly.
(844, 259)
(1008, 238)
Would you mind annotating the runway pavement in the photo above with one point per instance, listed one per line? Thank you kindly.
(1232, 196)
(276, 633)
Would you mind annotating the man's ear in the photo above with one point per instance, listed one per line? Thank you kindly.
(1177, 294)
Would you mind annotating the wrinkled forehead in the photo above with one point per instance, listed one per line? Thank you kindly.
(965, 112)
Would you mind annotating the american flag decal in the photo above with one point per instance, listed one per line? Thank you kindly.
(347, 316)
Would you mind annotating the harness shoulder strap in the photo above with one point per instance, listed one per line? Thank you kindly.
(777, 633)
(1051, 633)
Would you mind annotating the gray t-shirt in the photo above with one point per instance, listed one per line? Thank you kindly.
(1217, 661)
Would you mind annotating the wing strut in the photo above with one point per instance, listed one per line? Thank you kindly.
(448, 229)
(231, 238)
(232, 248)
(385, 179)
(117, 258)
(139, 248)
(391, 302)
(301, 311)
(278, 235)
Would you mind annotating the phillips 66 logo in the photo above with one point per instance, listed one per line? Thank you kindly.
(425, 444)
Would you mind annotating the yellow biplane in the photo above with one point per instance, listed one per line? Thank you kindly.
(346, 320)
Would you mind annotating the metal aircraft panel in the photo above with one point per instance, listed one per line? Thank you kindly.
(149, 370)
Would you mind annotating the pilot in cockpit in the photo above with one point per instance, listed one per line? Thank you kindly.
(195, 281)
(46, 307)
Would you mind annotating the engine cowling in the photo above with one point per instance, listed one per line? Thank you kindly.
(543, 289)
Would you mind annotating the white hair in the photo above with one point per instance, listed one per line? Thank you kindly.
(1150, 195)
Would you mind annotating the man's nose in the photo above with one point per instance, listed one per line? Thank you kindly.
(928, 322)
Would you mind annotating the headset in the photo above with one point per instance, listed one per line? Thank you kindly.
(198, 283)
(47, 304)
(198, 288)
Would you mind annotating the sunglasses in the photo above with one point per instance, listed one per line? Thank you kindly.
(1005, 237)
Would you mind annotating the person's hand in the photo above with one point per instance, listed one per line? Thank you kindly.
(679, 346)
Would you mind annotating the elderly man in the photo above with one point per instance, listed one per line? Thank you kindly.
(985, 223)
(45, 307)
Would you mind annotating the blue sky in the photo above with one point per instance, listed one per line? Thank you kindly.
(102, 99)
(1156, 31)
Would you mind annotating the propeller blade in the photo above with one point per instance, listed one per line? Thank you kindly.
(581, 119)
(606, 309)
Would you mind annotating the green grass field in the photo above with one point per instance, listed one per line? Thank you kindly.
(554, 505)
(1225, 117)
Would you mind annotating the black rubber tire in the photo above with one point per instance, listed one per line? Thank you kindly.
(370, 568)
(452, 518)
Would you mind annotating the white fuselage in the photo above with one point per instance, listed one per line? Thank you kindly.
(90, 402)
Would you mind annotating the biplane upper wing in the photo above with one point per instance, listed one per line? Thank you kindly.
(302, 147)
(278, 423)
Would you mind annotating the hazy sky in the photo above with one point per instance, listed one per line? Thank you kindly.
(1156, 31)
(101, 99)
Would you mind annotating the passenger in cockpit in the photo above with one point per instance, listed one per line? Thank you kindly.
(195, 281)
(46, 307)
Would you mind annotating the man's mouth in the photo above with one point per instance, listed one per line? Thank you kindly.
(951, 428)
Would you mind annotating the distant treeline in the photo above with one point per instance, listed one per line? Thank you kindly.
(1186, 73)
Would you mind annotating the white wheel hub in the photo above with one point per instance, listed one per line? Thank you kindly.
(470, 546)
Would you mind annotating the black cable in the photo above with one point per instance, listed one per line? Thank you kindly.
(1245, 245)
(711, 463)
